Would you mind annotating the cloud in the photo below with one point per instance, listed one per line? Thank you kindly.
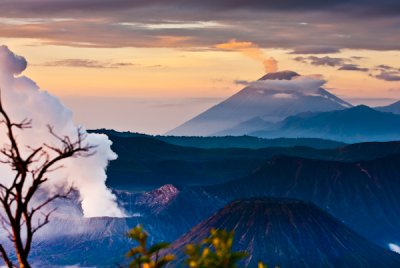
(390, 76)
(132, 26)
(383, 67)
(241, 82)
(366, 7)
(352, 67)
(342, 63)
(315, 50)
(321, 61)
(358, 58)
(252, 51)
(24, 99)
(386, 73)
(85, 63)
(305, 84)
(283, 96)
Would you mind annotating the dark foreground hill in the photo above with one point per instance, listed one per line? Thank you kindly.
(290, 233)
(364, 194)
(145, 162)
(361, 193)
(229, 141)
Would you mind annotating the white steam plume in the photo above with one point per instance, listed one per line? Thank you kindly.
(22, 99)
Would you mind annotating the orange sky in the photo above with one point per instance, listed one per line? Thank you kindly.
(169, 73)
(153, 89)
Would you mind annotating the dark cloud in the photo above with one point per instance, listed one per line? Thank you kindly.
(386, 73)
(321, 61)
(353, 67)
(241, 82)
(391, 76)
(358, 58)
(85, 63)
(321, 27)
(315, 50)
(384, 67)
(344, 64)
(362, 7)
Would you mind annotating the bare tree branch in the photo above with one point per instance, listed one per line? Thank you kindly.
(6, 259)
(30, 173)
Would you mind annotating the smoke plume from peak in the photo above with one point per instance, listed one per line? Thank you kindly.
(252, 51)
(23, 99)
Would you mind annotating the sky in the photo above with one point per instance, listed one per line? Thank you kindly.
(149, 65)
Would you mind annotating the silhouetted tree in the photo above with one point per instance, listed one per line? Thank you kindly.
(31, 167)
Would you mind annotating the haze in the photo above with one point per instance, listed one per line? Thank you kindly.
(126, 65)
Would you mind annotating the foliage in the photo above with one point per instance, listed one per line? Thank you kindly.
(144, 256)
(214, 251)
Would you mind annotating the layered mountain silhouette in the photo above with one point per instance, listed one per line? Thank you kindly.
(362, 194)
(357, 184)
(392, 108)
(216, 142)
(146, 162)
(272, 98)
(357, 124)
(289, 233)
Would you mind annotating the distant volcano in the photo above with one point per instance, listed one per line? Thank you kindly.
(272, 98)
(290, 233)
(283, 75)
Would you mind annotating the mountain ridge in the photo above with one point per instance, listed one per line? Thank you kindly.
(273, 97)
(357, 124)
(289, 233)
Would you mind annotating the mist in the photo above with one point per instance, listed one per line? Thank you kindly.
(23, 99)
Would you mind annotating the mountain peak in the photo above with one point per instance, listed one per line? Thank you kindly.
(273, 98)
(160, 196)
(267, 226)
(362, 107)
(282, 75)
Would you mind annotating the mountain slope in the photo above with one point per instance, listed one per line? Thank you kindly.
(392, 108)
(228, 141)
(361, 194)
(145, 163)
(290, 233)
(248, 126)
(272, 98)
(357, 124)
